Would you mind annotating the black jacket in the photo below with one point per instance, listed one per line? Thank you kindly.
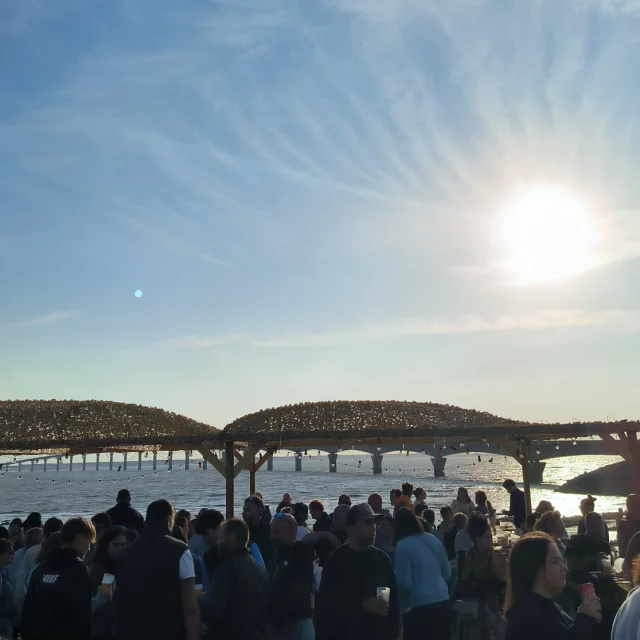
(517, 507)
(261, 536)
(57, 605)
(538, 618)
(323, 523)
(237, 603)
(125, 515)
(291, 585)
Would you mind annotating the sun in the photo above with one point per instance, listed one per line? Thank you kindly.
(548, 233)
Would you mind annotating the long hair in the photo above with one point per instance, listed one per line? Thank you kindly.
(528, 557)
(406, 524)
(102, 556)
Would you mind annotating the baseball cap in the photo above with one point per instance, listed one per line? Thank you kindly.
(360, 512)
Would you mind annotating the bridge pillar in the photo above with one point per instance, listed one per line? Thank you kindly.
(139, 460)
(70, 462)
(204, 464)
(125, 461)
(97, 462)
(111, 461)
(438, 466)
(44, 468)
(333, 462)
(536, 471)
(186, 460)
(155, 460)
(298, 461)
(19, 467)
(84, 461)
(170, 460)
(32, 462)
(376, 458)
(270, 464)
(58, 463)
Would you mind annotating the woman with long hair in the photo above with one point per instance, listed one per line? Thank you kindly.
(463, 503)
(537, 575)
(587, 506)
(422, 572)
(551, 522)
(484, 578)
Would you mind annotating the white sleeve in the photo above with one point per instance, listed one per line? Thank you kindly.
(185, 567)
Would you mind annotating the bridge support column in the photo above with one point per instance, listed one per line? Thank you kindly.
(298, 461)
(536, 471)
(84, 461)
(44, 468)
(139, 460)
(155, 460)
(125, 461)
(97, 462)
(186, 460)
(58, 464)
(376, 458)
(333, 462)
(111, 461)
(205, 462)
(270, 464)
(19, 467)
(170, 460)
(32, 462)
(438, 466)
(70, 462)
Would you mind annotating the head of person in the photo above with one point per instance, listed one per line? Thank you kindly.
(543, 507)
(110, 544)
(535, 565)
(446, 513)
(551, 523)
(360, 524)
(530, 522)
(286, 499)
(233, 536)
(208, 526)
(101, 521)
(459, 521)
(316, 509)
(509, 485)
(54, 541)
(182, 524)
(420, 510)
(481, 498)
(463, 495)
(480, 533)
(33, 521)
(394, 496)
(131, 535)
(78, 534)
(284, 530)
(300, 512)
(344, 499)
(407, 489)
(340, 517)
(587, 505)
(7, 553)
(429, 516)
(594, 526)
(253, 511)
(33, 538)
(4, 533)
(183, 513)
(406, 524)
(385, 525)
(160, 517)
(51, 526)
(375, 502)
(123, 497)
(633, 506)
(420, 494)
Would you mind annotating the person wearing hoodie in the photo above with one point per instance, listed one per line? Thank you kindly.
(422, 573)
(463, 503)
(58, 601)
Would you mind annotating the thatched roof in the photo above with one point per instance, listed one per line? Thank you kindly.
(57, 426)
(366, 421)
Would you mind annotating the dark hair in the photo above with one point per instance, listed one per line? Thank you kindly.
(344, 499)
(446, 510)
(183, 513)
(420, 509)
(75, 527)
(316, 505)
(158, 515)
(238, 529)
(430, 516)
(528, 557)
(508, 483)
(124, 495)
(407, 489)
(418, 491)
(532, 518)
(477, 525)
(54, 541)
(259, 502)
(460, 520)
(33, 521)
(210, 519)
(181, 521)
(396, 492)
(131, 535)
(51, 526)
(300, 513)
(481, 497)
(406, 524)
(590, 501)
(6, 546)
(101, 556)
(101, 520)
(17, 522)
(546, 521)
(4, 533)
(178, 533)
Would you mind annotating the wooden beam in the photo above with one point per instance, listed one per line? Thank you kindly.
(618, 447)
(237, 454)
(246, 460)
(526, 481)
(264, 459)
(230, 479)
(212, 459)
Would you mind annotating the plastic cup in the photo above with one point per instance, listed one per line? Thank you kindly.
(384, 593)
(587, 589)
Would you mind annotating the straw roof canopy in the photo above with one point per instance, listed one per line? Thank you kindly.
(58, 426)
(362, 421)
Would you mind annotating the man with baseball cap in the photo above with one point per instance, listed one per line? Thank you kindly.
(347, 605)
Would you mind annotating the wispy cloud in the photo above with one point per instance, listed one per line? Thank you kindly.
(50, 318)
(462, 325)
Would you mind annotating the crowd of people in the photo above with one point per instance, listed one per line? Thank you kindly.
(364, 571)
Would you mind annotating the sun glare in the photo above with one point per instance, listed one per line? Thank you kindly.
(549, 233)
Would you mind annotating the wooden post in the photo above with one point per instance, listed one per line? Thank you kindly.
(526, 481)
(252, 477)
(230, 477)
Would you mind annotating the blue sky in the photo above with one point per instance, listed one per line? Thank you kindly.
(307, 194)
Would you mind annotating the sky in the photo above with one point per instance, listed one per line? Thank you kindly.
(218, 207)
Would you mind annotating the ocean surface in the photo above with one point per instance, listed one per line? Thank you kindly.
(67, 493)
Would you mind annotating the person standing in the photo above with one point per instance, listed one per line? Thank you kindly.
(124, 514)
(347, 604)
(289, 608)
(8, 610)
(323, 521)
(287, 501)
(463, 503)
(155, 594)
(58, 601)
(517, 509)
(628, 524)
(259, 530)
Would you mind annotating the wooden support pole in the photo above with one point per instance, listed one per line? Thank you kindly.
(252, 478)
(265, 458)
(526, 480)
(230, 478)
(213, 460)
